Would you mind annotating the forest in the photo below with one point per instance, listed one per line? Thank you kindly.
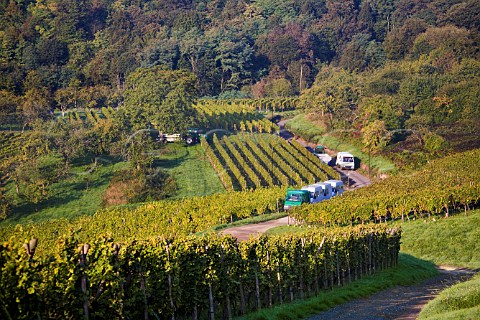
(78, 78)
(64, 53)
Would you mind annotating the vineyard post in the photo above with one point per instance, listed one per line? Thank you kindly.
(257, 291)
(270, 294)
(347, 258)
(280, 299)
(211, 307)
(228, 303)
(369, 268)
(317, 276)
(172, 304)
(242, 296)
(369, 149)
(83, 257)
(301, 264)
(30, 247)
(325, 276)
(337, 261)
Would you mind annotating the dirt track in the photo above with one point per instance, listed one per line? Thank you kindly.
(401, 302)
(244, 232)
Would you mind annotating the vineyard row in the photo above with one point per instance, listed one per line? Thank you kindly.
(443, 185)
(166, 218)
(187, 278)
(260, 160)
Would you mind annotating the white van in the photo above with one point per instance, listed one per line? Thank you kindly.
(345, 160)
(337, 187)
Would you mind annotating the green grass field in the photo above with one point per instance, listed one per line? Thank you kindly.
(301, 126)
(462, 301)
(191, 170)
(452, 241)
(82, 192)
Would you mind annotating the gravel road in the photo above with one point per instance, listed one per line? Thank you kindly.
(401, 302)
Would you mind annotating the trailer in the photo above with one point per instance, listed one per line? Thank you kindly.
(313, 193)
(326, 190)
(337, 187)
(316, 192)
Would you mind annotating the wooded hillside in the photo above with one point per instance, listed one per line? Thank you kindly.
(79, 53)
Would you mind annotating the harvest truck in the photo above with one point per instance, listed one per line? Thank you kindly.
(313, 193)
(295, 198)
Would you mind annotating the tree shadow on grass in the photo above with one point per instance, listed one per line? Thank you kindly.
(64, 193)
(171, 163)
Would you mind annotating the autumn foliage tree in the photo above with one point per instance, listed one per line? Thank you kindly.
(162, 98)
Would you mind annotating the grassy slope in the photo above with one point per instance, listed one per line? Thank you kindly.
(191, 170)
(300, 125)
(81, 194)
(461, 301)
(453, 241)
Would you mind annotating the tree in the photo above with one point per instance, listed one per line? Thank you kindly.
(335, 94)
(68, 97)
(68, 138)
(400, 40)
(284, 45)
(4, 204)
(279, 88)
(160, 97)
(8, 108)
(445, 39)
(36, 104)
(235, 60)
(383, 108)
(375, 136)
(35, 175)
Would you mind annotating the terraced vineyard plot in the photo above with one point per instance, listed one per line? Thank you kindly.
(10, 143)
(261, 160)
(234, 117)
